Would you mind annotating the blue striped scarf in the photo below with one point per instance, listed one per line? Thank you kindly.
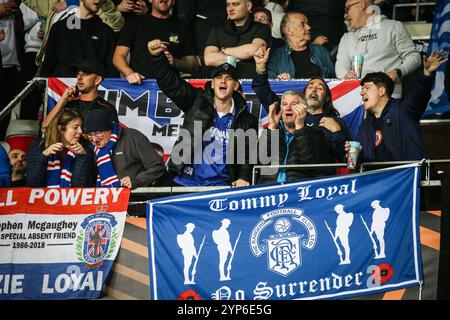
(106, 173)
(55, 176)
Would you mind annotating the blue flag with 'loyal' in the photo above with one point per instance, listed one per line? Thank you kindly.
(328, 238)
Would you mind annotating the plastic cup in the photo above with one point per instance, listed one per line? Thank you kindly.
(357, 65)
(355, 148)
(231, 60)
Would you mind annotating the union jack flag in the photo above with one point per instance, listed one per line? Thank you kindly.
(160, 111)
(97, 240)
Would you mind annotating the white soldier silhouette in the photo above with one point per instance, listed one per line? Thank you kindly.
(221, 238)
(343, 223)
(379, 218)
(187, 244)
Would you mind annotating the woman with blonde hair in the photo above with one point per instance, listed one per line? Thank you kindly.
(61, 158)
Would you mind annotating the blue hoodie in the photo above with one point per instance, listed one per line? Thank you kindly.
(5, 169)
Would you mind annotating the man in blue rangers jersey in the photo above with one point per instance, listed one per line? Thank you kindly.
(215, 159)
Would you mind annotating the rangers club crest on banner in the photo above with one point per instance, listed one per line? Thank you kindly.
(283, 247)
(318, 239)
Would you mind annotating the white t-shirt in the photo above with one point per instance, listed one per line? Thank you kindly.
(8, 45)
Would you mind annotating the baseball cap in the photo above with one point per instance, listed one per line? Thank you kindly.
(225, 68)
(98, 119)
(90, 65)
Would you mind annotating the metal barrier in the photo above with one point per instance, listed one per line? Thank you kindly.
(158, 192)
(303, 166)
(20, 96)
(425, 183)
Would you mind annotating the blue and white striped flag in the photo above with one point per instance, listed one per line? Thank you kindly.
(440, 39)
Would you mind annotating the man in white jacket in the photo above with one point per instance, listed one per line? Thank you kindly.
(385, 44)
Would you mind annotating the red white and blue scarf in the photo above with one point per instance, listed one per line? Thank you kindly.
(106, 173)
(56, 177)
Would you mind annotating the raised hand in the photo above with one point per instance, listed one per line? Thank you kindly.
(274, 117)
(69, 94)
(330, 124)
(135, 78)
(126, 182)
(53, 149)
(156, 47)
(284, 76)
(300, 111)
(240, 183)
(432, 63)
(77, 148)
(350, 75)
(261, 57)
(140, 8)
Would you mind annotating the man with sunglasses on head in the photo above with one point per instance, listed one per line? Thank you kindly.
(385, 45)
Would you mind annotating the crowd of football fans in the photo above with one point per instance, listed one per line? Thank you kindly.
(81, 143)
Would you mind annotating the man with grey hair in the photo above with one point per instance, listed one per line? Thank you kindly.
(297, 142)
(299, 58)
(385, 45)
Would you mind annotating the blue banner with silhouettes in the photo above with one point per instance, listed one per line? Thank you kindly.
(329, 238)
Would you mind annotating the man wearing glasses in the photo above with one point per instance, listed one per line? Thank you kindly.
(385, 45)
(124, 156)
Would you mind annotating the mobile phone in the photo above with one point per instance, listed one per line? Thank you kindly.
(76, 92)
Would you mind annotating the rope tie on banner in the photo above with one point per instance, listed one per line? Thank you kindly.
(420, 289)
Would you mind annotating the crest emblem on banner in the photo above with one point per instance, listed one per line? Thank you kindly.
(98, 238)
(283, 247)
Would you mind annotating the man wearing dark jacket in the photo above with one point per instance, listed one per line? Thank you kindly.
(132, 159)
(326, 19)
(321, 113)
(391, 131)
(297, 142)
(212, 113)
(80, 36)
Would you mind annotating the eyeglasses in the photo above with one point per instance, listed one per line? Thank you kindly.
(97, 134)
(347, 8)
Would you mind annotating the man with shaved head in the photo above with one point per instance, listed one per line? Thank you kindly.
(385, 45)
(237, 40)
(156, 24)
